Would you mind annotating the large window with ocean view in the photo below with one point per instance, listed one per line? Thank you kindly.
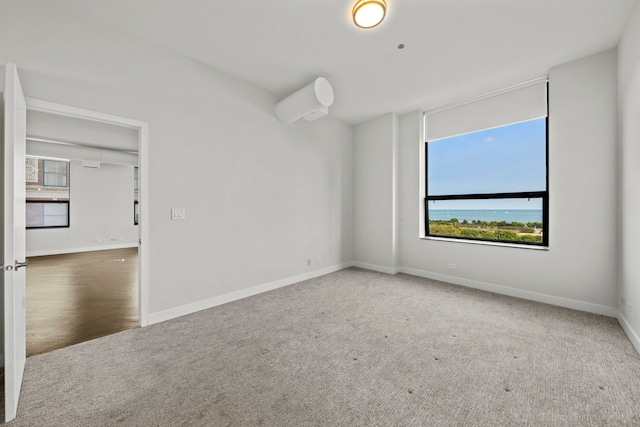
(489, 183)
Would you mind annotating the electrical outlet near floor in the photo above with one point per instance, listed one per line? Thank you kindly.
(452, 266)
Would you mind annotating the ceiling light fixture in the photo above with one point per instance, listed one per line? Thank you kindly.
(369, 13)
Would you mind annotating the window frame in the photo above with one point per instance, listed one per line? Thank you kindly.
(544, 195)
(37, 227)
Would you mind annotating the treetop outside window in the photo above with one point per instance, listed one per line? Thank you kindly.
(486, 173)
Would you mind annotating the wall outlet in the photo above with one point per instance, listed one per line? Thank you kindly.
(452, 266)
(308, 261)
(318, 260)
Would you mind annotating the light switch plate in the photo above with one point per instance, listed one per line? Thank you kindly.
(177, 213)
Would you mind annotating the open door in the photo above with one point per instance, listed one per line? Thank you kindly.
(13, 238)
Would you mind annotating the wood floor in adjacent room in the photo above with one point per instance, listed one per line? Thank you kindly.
(78, 297)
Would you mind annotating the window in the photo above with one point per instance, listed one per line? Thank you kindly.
(55, 173)
(47, 193)
(487, 181)
(47, 214)
(136, 207)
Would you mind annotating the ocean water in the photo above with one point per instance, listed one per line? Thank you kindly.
(517, 215)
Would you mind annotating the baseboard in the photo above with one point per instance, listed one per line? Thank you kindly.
(503, 290)
(633, 336)
(375, 267)
(518, 293)
(183, 310)
(76, 250)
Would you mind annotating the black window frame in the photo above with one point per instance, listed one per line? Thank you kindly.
(67, 202)
(544, 195)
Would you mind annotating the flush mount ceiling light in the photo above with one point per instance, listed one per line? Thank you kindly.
(369, 13)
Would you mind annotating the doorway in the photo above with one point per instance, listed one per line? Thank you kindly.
(80, 218)
(122, 265)
(15, 107)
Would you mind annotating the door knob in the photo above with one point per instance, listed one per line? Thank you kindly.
(21, 264)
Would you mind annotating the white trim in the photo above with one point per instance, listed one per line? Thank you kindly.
(143, 185)
(77, 250)
(72, 144)
(633, 336)
(183, 310)
(485, 243)
(375, 267)
(518, 293)
(144, 268)
(69, 111)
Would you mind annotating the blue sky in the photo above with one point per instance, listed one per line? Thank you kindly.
(499, 160)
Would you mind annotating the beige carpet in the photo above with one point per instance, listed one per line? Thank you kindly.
(353, 348)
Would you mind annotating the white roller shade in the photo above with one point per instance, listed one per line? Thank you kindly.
(512, 106)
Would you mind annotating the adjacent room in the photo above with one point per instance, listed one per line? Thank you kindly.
(340, 212)
(81, 231)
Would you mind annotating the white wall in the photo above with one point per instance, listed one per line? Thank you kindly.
(374, 203)
(101, 208)
(629, 102)
(579, 270)
(261, 197)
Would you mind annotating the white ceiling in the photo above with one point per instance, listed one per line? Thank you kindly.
(454, 48)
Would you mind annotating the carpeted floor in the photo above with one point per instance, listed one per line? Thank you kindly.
(353, 348)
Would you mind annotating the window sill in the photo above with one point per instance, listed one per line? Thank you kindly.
(487, 243)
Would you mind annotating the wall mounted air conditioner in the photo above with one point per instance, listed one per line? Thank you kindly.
(309, 103)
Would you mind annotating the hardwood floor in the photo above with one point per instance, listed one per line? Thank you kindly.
(73, 298)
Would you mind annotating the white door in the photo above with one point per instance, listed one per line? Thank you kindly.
(13, 255)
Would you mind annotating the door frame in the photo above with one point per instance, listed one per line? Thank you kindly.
(143, 184)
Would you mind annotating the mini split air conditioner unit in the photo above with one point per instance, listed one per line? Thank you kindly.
(309, 103)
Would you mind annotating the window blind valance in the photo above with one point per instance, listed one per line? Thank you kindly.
(525, 102)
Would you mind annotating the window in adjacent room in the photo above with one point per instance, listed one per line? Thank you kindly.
(136, 206)
(486, 169)
(55, 173)
(47, 192)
